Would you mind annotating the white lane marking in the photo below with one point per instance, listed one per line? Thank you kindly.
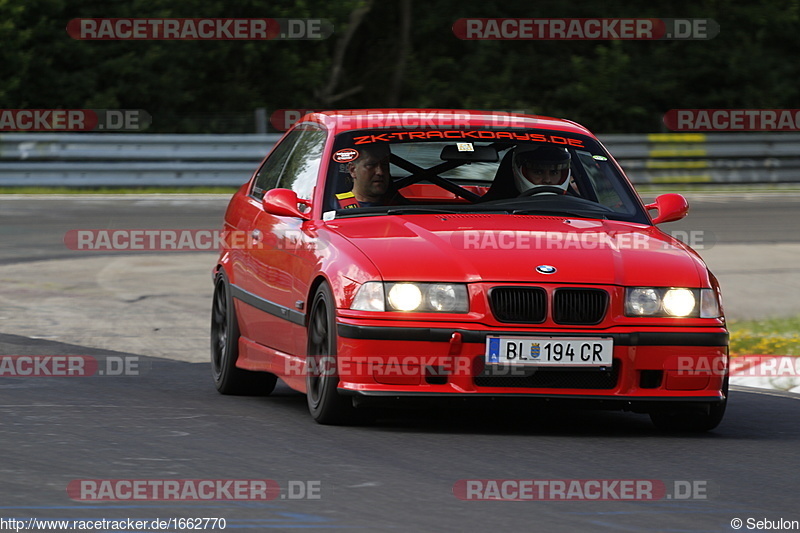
(766, 392)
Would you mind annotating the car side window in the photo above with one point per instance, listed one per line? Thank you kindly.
(270, 171)
(302, 168)
(606, 187)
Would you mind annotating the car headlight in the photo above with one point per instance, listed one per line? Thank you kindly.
(412, 296)
(446, 297)
(671, 302)
(369, 297)
(710, 305)
(405, 297)
(642, 301)
(679, 302)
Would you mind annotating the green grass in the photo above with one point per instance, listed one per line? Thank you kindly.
(118, 190)
(774, 336)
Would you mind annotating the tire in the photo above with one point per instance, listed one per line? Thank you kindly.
(225, 349)
(325, 404)
(691, 418)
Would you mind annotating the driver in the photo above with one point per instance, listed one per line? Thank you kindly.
(537, 167)
(372, 182)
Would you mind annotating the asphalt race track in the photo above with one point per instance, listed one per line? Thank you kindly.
(150, 411)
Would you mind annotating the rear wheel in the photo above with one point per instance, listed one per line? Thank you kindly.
(691, 417)
(325, 403)
(225, 349)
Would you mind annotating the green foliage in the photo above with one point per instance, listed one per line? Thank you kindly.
(773, 336)
(214, 86)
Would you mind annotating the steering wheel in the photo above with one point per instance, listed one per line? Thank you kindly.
(543, 189)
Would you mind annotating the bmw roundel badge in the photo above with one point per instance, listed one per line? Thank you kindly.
(546, 269)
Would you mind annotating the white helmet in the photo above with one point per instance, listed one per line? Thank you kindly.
(540, 166)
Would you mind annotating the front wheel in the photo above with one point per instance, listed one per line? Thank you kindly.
(325, 403)
(691, 418)
(225, 349)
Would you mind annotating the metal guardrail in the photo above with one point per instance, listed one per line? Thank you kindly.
(708, 158)
(109, 160)
(135, 160)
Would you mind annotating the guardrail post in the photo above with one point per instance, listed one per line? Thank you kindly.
(261, 120)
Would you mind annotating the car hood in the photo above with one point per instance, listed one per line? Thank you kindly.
(509, 248)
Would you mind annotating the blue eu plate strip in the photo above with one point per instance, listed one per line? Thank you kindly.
(494, 350)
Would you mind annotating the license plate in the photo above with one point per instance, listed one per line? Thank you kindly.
(550, 351)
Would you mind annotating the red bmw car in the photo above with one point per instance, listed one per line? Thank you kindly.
(391, 254)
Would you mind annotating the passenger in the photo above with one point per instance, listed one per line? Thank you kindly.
(372, 182)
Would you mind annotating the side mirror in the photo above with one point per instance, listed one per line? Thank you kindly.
(283, 202)
(670, 207)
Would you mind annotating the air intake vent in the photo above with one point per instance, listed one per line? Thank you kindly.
(579, 306)
(525, 305)
(553, 379)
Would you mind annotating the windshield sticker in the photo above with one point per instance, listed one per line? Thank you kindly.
(465, 147)
(345, 155)
(599, 158)
(460, 134)
(328, 215)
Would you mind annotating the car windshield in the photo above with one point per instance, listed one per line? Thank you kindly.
(380, 172)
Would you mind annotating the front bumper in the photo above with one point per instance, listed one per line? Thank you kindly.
(660, 364)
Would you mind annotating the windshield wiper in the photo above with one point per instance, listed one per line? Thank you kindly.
(417, 209)
(560, 212)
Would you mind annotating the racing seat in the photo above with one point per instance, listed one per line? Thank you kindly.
(502, 186)
(341, 183)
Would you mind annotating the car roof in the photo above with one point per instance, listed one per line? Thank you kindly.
(339, 121)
